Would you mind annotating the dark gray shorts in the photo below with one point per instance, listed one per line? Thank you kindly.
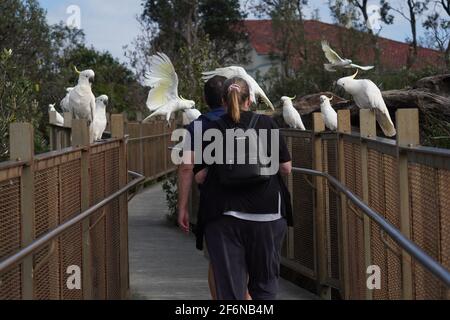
(245, 255)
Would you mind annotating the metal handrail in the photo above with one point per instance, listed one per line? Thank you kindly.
(406, 244)
(11, 261)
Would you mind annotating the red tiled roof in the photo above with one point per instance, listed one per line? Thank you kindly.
(394, 54)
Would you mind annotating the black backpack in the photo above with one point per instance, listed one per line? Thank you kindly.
(232, 173)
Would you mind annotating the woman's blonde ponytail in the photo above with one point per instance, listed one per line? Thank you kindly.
(234, 106)
(235, 95)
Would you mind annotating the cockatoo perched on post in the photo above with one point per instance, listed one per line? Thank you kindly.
(368, 96)
(64, 104)
(59, 117)
(100, 120)
(163, 98)
(230, 72)
(337, 62)
(192, 114)
(291, 115)
(328, 113)
(82, 100)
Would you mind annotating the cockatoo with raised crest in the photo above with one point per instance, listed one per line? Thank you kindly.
(82, 100)
(291, 115)
(328, 114)
(59, 117)
(163, 98)
(231, 72)
(100, 120)
(335, 61)
(368, 96)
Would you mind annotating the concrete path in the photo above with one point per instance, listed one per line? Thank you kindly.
(164, 264)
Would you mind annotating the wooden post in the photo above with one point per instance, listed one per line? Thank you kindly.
(118, 132)
(344, 127)
(67, 132)
(290, 184)
(80, 138)
(21, 138)
(368, 128)
(320, 221)
(407, 135)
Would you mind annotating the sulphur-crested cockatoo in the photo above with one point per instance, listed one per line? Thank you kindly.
(100, 120)
(337, 62)
(230, 72)
(163, 98)
(328, 114)
(64, 104)
(81, 98)
(192, 114)
(291, 115)
(368, 96)
(59, 117)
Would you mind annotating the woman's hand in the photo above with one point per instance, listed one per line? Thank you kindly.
(286, 168)
(200, 177)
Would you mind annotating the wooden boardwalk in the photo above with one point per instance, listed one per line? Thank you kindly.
(164, 264)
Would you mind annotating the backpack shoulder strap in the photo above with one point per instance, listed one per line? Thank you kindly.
(254, 121)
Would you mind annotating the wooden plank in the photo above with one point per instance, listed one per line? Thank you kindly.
(320, 215)
(21, 141)
(80, 138)
(368, 130)
(344, 126)
(407, 135)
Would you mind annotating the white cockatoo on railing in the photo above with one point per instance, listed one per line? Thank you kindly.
(100, 120)
(335, 61)
(368, 96)
(230, 72)
(192, 114)
(64, 104)
(329, 115)
(59, 117)
(82, 100)
(291, 115)
(163, 98)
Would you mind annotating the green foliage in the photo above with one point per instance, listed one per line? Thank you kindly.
(170, 187)
(41, 67)
(17, 99)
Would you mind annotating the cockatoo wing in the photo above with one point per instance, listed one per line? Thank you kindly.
(228, 72)
(365, 68)
(233, 71)
(163, 81)
(330, 54)
(376, 101)
(256, 90)
(329, 67)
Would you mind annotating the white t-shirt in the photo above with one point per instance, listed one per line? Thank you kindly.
(264, 217)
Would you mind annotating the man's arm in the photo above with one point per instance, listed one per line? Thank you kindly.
(185, 179)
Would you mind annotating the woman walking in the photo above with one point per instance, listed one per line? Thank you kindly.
(244, 215)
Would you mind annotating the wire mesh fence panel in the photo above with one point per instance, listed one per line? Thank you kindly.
(112, 184)
(355, 221)
(330, 165)
(444, 204)
(384, 198)
(47, 274)
(426, 215)
(150, 150)
(10, 237)
(303, 206)
(70, 242)
(134, 148)
(98, 226)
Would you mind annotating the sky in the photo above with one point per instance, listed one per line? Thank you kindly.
(111, 24)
